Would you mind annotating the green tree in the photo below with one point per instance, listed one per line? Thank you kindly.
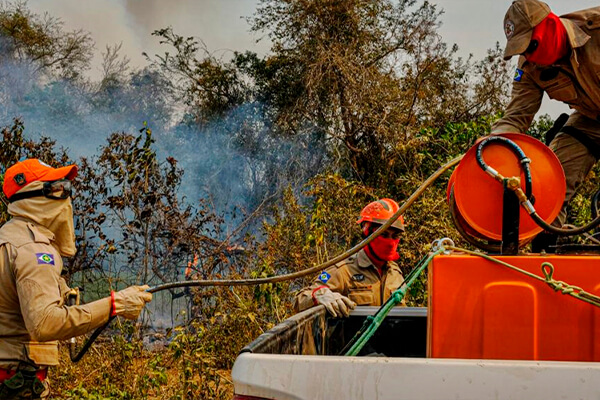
(209, 86)
(371, 74)
(130, 214)
(42, 42)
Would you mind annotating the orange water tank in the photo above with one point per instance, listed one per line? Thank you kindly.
(479, 197)
(481, 310)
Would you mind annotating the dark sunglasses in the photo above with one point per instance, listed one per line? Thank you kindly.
(533, 45)
(57, 190)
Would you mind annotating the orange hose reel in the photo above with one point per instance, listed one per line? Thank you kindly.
(479, 197)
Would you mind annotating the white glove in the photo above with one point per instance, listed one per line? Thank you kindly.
(130, 301)
(336, 304)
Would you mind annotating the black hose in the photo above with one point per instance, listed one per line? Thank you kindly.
(75, 354)
(528, 204)
(523, 159)
(564, 232)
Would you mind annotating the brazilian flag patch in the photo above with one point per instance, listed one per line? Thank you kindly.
(518, 75)
(324, 277)
(45, 258)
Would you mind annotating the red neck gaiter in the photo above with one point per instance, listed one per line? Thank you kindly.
(382, 250)
(552, 39)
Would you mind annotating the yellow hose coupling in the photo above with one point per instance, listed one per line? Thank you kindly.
(514, 183)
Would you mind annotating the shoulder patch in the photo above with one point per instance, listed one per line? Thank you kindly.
(45, 258)
(518, 75)
(324, 276)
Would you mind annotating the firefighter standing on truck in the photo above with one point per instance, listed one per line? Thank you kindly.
(367, 278)
(33, 313)
(559, 56)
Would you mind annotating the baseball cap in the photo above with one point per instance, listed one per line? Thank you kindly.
(24, 172)
(519, 21)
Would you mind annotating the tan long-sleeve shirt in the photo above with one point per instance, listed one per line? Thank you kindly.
(356, 278)
(33, 314)
(575, 81)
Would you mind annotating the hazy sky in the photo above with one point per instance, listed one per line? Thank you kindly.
(474, 25)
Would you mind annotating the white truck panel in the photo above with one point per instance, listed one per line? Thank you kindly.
(292, 377)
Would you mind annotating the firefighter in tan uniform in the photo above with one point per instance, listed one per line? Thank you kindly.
(33, 314)
(559, 56)
(367, 278)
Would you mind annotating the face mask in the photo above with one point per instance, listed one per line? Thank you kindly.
(385, 248)
(552, 41)
(55, 215)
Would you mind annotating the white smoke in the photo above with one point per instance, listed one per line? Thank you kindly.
(220, 24)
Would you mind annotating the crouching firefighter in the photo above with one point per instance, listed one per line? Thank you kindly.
(33, 313)
(367, 278)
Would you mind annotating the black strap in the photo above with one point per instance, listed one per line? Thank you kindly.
(584, 139)
(556, 127)
(26, 195)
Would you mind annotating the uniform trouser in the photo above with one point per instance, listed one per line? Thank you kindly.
(576, 159)
(25, 384)
(27, 395)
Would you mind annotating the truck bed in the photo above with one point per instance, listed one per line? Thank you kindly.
(402, 334)
(298, 360)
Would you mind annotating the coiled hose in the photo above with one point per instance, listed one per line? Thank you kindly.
(526, 199)
(76, 355)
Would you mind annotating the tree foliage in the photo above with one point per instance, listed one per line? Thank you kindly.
(42, 42)
(366, 74)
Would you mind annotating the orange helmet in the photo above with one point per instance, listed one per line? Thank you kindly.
(380, 212)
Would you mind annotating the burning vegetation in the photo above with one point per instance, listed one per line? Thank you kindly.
(238, 166)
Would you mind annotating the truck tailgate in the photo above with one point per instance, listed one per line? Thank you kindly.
(293, 377)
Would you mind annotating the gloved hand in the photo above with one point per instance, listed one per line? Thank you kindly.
(336, 304)
(129, 302)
